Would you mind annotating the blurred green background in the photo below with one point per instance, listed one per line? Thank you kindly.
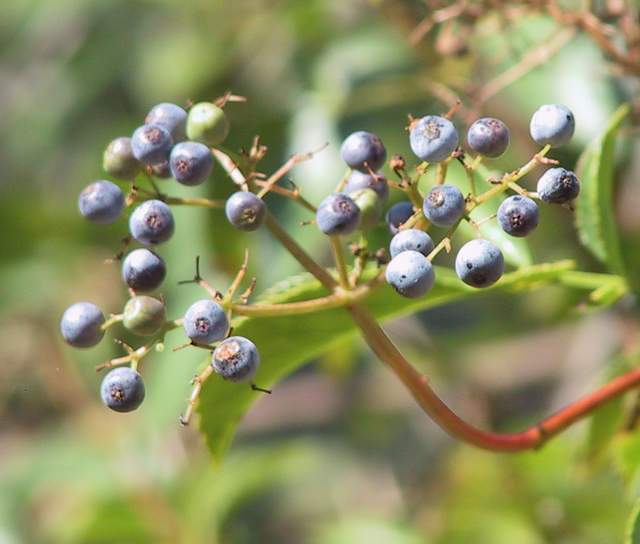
(339, 453)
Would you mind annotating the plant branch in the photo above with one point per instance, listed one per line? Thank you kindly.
(538, 55)
(299, 254)
(335, 300)
(427, 398)
(341, 266)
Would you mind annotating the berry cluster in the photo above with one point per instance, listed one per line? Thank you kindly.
(479, 263)
(182, 144)
(171, 143)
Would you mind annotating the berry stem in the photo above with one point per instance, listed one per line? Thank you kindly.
(285, 168)
(337, 299)
(441, 172)
(341, 265)
(343, 182)
(293, 194)
(445, 243)
(509, 178)
(427, 398)
(469, 170)
(177, 201)
(202, 202)
(278, 232)
(299, 254)
(360, 261)
(113, 319)
(195, 393)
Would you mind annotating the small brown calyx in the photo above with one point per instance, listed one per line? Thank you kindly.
(436, 198)
(516, 220)
(249, 215)
(202, 325)
(228, 352)
(117, 393)
(154, 221)
(153, 134)
(432, 130)
(397, 163)
(182, 165)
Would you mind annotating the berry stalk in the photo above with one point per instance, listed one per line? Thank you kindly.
(531, 438)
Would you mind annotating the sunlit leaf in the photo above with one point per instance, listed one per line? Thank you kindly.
(595, 216)
(287, 342)
(633, 527)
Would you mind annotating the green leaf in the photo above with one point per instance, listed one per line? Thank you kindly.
(608, 419)
(595, 218)
(362, 529)
(286, 342)
(632, 535)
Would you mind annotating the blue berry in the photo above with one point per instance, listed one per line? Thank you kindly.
(338, 214)
(171, 117)
(518, 215)
(411, 240)
(191, 162)
(363, 180)
(444, 205)
(151, 144)
(552, 124)
(118, 160)
(479, 263)
(144, 315)
(236, 359)
(143, 270)
(122, 389)
(207, 123)
(410, 273)
(433, 138)
(398, 214)
(363, 150)
(81, 325)
(245, 211)
(489, 137)
(151, 222)
(101, 202)
(205, 322)
(558, 185)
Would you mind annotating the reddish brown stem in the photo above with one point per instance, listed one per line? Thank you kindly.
(431, 403)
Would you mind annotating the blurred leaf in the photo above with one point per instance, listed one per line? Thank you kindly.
(633, 528)
(361, 530)
(212, 496)
(606, 421)
(602, 428)
(222, 404)
(627, 455)
(595, 216)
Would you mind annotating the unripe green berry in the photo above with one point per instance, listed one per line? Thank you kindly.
(118, 160)
(370, 206)
(144, 315)
(207, 123)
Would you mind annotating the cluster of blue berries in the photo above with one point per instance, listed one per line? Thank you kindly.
(434, 139)
(172, 143)
(181, 144)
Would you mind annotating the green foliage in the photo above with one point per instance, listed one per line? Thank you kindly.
(633, 526)
(607, 421)
(595, 218)
(222, 404)
(370, 467)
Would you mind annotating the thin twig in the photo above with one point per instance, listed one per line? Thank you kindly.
(535, 57)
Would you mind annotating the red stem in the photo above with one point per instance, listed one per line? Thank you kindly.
(428, 399)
